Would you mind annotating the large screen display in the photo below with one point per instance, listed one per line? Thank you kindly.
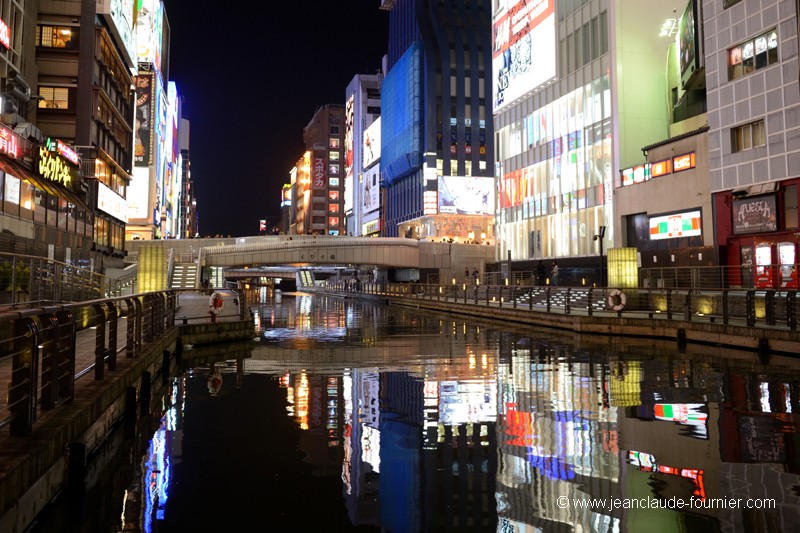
(466, 195)
(370, 195)
(523, 54)
(689, 44)
(148, 32)
(371, 149)
(686, 224)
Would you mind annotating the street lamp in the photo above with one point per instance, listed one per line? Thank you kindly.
(599, 237)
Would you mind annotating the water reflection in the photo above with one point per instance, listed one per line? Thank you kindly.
(348, 415)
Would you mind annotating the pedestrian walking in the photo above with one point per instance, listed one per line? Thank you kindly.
(475, 275)
(554, 274)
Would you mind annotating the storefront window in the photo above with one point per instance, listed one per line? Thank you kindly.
(62, 213)
(26, 200)
(11, 195)
(80, 222)
(71, 215)
(52, 210)
(40, 206)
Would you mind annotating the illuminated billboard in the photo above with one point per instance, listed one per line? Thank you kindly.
(286, 195)
(143, 131)
(689, 45)
(523, 53)
(686, 224)
(371, 149)
(149, 27)
(370, 196)
(466, 195)
(110, 202)
(138, 194)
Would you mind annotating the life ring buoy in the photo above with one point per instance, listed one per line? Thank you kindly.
(617, 300)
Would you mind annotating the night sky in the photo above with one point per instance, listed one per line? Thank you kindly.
(251, 79)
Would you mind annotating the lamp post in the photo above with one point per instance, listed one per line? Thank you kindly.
(601, 233)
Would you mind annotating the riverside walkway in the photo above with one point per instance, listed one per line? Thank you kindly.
(73, 371)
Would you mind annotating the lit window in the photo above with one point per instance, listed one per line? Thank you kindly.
(752, 55)
(333, 156)
(748, 136)
(333, 208)
(54, 98)
(333, 143)
(333, 169)
(57, 37)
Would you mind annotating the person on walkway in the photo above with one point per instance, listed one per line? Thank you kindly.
(540, 273)
(475, 275)
(215, 303)
(466, 273)
(554, 274)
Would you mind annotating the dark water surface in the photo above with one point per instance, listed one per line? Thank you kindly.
(351, 416)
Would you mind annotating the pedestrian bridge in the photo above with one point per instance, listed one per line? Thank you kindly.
(449, 259)
(302, 250)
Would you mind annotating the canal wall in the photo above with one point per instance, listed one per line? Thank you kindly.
(36, 468)
(763, 340)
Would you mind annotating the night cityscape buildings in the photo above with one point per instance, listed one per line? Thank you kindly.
(92, 146)
(536, 127)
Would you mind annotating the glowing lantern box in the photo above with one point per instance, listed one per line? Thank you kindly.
(623, 267)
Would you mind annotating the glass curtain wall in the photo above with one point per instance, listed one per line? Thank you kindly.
(556, 176)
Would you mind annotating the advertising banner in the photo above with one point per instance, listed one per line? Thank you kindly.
(466, 195)
(524, 40)
(143, 130)
(371, 150)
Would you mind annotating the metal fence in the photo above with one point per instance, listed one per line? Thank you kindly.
(32, 280)
(38, 355)
(762, 308)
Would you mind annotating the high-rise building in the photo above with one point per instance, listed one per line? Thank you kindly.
(579, 88)
(44, 209)
(318, 177)
(437, 147)
(362, 152)
(153, 202)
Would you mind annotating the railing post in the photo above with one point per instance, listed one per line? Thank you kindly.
(547, 298)
(589, 295)
(791, 310)
(66, 355)
(137, 333)
(24, 373)
(49, 354)
(530, 299)
(566, 301)
(769, 304)
(687, 306)
(112, 335)
(725, 317)
(669, 304)
(99, 341)
(750, 304)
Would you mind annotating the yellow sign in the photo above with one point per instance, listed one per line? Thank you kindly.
(53, 167)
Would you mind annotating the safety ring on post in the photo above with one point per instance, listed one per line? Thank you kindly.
(617, 300)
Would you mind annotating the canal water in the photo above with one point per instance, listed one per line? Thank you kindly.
(354, 416)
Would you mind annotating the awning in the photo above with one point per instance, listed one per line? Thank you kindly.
(754, 190)
(12, 167)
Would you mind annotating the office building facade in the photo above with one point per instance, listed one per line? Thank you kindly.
(437, 151)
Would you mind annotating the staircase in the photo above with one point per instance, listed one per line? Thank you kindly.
(184, 276)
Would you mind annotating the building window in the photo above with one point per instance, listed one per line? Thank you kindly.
(54, 97)
(790, 207)
(752, 55)
(66, 37)
(333, 169)
(333, 156)
(748, 136)
(333, 143)
(334, 130)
